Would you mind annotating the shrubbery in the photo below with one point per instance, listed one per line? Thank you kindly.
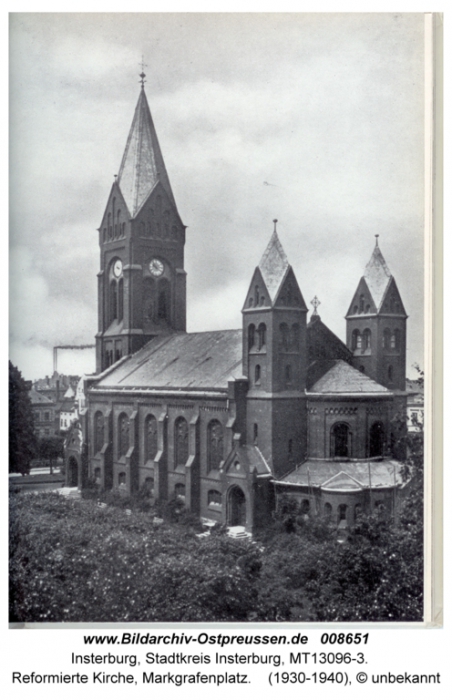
(74, 561)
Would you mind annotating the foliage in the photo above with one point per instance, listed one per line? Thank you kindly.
(74, 561)
(50, 449)
(22, 440)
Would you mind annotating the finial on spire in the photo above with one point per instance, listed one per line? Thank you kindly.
(143, 74)
(275, 221)
(315, 303)
(376, 239)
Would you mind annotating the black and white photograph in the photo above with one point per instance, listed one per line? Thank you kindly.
(217, 313)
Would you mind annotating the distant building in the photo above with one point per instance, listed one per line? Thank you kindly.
(43, 413)
(415, 405)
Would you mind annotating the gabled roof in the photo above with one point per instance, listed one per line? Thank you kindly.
(250, 458)
(142, 165)
(343, 378)
(185, 361)
(274, 266)
(377, 276)
(346, 476)
(37, 398)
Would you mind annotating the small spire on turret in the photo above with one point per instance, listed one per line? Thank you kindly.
(275, 221)
(377, 235)
(315, 303)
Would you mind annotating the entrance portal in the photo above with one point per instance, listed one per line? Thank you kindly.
(237, 507)
(73, 472)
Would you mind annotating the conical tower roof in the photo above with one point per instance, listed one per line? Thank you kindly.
(377, 275)
(274, 265)
(142, 165)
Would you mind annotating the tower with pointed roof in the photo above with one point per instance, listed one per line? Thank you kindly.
(274, 360)
(376, 325)
(141, 283)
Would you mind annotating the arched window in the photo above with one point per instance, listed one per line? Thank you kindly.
(262, 335)
(376, 439)
(367, 336)
(121, 479)
(257, 374)
(120, 299)
(113, 300)
(361, 303)
(98, 432)
(295, 337)
(180, 442)
(340, 440)
(262, 301)
(214, 444)
(390, 373)
(163, 306)
(251, 335)
(355, 311)
(148, 486)
(214, 498)
(98, 475)
(150, 436)
(328, 510)
(148, 298)
(386, 338)
(367, 308)
(123, 435)
(305, 507)
(255, 432)
(166, 217)
(342, 512)
(110, 231)
(250, 302)
(356, 340)
(289, 294)
(256, 295)
(179, 491)
(284, 336)
(288, 374)
(392, 341)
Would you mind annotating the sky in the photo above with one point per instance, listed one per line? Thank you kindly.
(313, 119)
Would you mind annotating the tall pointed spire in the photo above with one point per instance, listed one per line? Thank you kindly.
(274, 264)
(377, 275)
(142, 164)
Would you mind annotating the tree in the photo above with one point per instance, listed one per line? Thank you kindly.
(50, 449)
(22, 440)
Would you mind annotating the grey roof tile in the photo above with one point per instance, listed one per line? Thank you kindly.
(181, 361)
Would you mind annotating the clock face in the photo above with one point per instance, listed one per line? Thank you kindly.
(156, 267)
(117, 268)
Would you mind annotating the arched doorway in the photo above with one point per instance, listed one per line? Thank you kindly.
(376, 439)
(72, 472)
(237, 507)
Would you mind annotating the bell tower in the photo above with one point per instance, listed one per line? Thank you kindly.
(274, 360)
(376, 325)
(141, 283)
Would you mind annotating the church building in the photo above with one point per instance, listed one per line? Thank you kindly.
(231, 420)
